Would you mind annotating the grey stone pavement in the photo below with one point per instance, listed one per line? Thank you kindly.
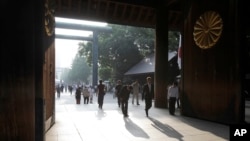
(85, 122)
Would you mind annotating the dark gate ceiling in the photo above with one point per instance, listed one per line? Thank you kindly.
(125, 12)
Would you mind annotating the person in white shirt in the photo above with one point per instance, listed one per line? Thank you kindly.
(173, 94)
(135, 90)
(86, 95)
(91, 92)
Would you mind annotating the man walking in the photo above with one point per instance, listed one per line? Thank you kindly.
(148, 94)
(124, 97)
(101, 92)
(173, 95)
(136, 89)
(117, 91)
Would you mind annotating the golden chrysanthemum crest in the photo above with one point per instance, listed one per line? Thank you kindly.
(208, 29)
(49, 18)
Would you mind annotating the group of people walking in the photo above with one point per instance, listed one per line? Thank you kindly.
(86, 92)
(123, 92)
(59, 89)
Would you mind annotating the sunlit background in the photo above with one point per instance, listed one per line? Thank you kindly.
(67, 49)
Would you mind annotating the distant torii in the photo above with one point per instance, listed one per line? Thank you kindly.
(96, 30)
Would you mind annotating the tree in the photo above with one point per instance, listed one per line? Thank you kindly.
(65, 75)
(79, 72)
(173, 40)
(105, 73)
(123, 48)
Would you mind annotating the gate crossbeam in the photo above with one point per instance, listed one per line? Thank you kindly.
(94, 39)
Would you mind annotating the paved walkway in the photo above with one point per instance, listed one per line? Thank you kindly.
(85, 122)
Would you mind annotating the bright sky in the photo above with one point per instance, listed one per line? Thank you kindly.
(67, 49)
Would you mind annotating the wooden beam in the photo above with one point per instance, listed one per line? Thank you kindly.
(116, 5)
(69, 5)
(140, 13)
(171, 2)
(131, 13)
(106, 9)
(88, 7)
(98, 8)
(124, 12)
(59, 5)
(79, 6)
(146, 15)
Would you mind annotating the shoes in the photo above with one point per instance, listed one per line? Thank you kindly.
(100, 107)
(146, 112)
(138, 104)
(125, 116)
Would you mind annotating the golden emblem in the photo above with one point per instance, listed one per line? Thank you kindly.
(208, 29)
(49, 18)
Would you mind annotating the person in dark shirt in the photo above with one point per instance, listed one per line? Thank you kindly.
(78, 95)
(58, 90)
(148, 94)
(70, 89)
(117, 91)
(124, 97)
(101, 90)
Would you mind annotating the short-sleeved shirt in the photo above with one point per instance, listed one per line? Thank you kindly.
(101, 89)
(173, 92)
(118, 89)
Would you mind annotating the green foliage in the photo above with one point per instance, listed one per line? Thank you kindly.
(65, 75)
(79, 72)
(122, 49)
(85, 50)
(173, 41)
(105, 73)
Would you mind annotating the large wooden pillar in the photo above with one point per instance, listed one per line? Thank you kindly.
(161, 57)
(21, 70)
(211, 70)
(45, 111)
(49, 86)
(38, 70)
